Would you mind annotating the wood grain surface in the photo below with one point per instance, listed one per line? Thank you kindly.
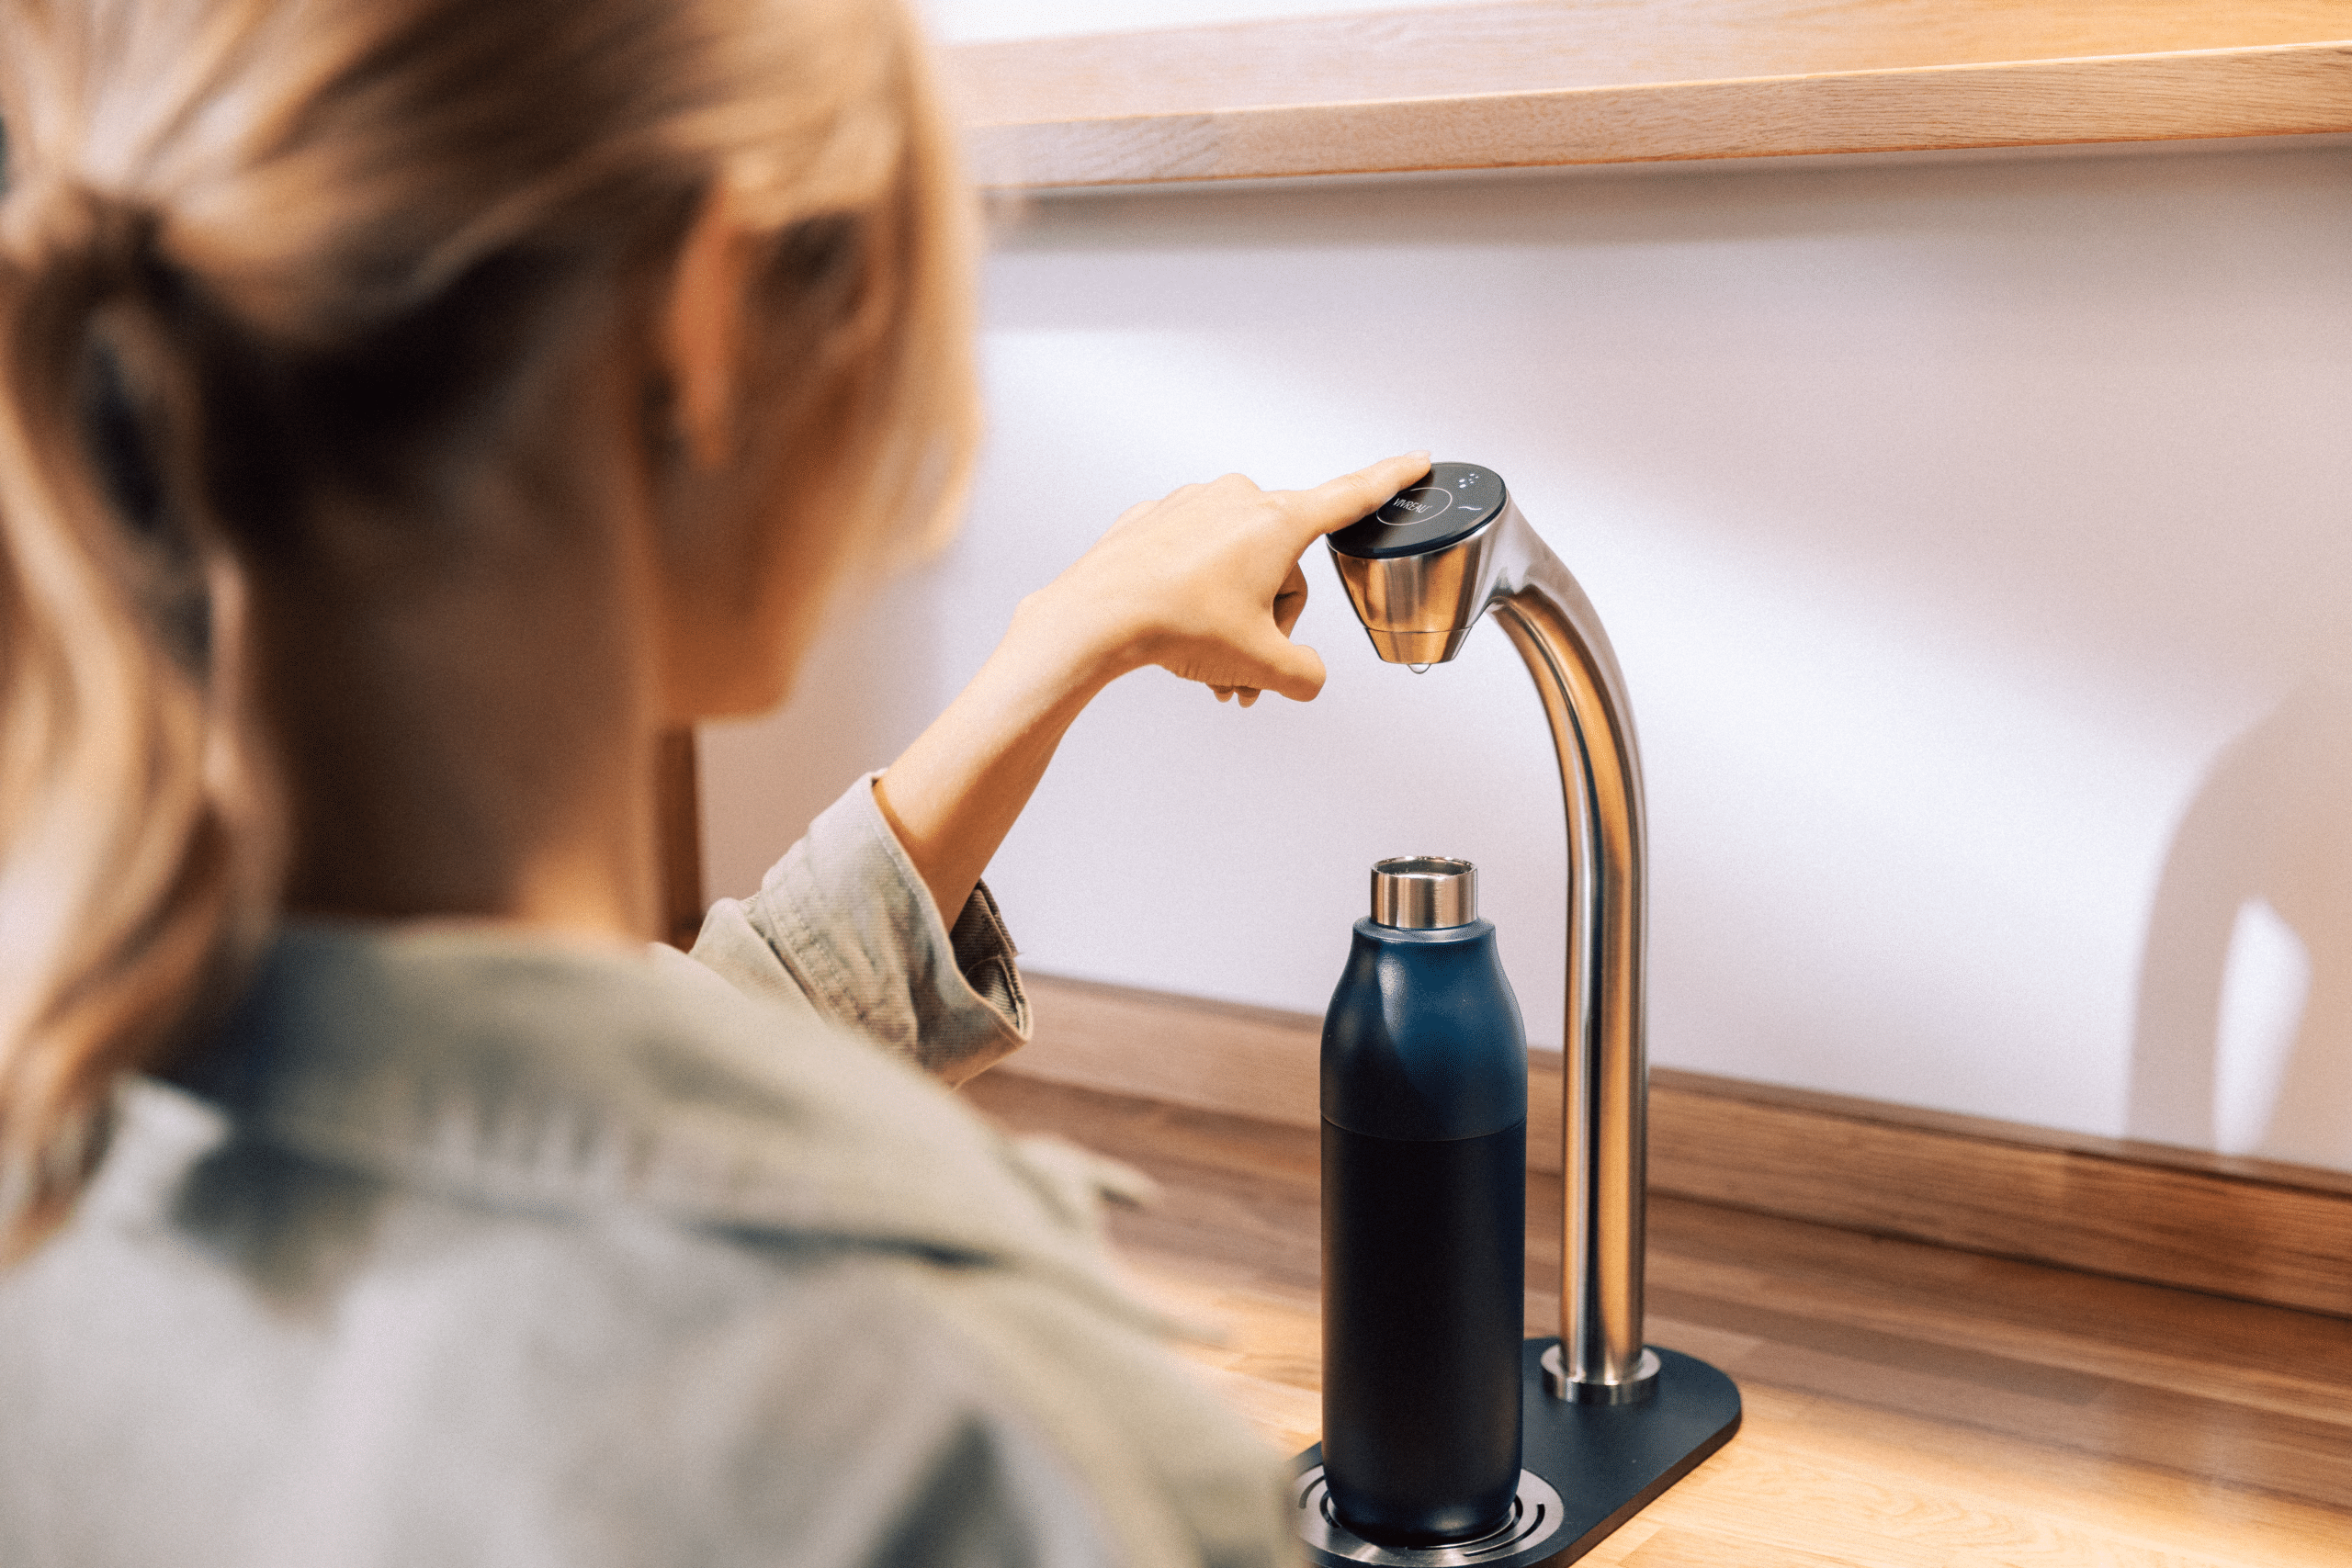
(1549, 45)
(2256, 1229)
(1907, 1405)
(1613, 81)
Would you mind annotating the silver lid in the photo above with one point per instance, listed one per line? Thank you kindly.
(1422, 892)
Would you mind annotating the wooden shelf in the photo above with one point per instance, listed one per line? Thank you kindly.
(1537, 83)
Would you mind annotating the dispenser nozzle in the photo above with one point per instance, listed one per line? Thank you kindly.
(1420, 571)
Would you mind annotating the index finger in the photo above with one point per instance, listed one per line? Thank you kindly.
(1335, 503)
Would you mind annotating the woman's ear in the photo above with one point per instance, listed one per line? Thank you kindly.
(702, 328)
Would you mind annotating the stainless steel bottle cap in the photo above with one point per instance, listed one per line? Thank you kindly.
(1422, 892)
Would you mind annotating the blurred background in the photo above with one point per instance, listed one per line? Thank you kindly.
(1972, 528)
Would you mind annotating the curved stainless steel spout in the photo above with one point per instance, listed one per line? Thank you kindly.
(1419, 609)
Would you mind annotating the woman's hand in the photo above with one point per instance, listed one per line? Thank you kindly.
(1205, 582)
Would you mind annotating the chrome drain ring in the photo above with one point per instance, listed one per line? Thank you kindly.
(1536, 1515)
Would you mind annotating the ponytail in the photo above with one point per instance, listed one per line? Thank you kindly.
(274, 270)
(126, 882)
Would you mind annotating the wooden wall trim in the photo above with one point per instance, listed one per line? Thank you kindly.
(677, 826)
(1538, 83)
(2257, 1230)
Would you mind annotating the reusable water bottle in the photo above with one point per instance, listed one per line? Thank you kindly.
(1424, 1216)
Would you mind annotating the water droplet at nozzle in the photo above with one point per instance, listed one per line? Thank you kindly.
(1419, 668)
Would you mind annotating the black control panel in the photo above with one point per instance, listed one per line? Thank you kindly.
(1451, 502)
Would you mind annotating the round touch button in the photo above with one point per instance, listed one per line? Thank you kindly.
(1420, 505)
(1449, 503)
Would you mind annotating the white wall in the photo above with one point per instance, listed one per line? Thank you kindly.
(1972, 533)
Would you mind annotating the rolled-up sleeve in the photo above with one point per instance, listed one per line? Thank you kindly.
(843, 924)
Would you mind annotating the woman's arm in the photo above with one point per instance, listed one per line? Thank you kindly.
(1205, 584)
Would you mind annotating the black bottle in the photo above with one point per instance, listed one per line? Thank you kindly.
(1424, 1216)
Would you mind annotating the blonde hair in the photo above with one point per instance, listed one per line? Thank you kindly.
(254, 254)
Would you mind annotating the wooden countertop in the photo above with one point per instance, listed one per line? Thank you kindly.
(1533, 83)
(1907, 1405)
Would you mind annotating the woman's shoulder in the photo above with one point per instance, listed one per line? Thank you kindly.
(642, 1251)
(378, 1372)
(520, 1073)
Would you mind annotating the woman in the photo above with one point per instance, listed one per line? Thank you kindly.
(408, 409)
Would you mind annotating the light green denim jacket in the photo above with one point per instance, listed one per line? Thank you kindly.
(467, 1249)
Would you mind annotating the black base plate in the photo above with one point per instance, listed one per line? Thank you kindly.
(1607, 1461)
